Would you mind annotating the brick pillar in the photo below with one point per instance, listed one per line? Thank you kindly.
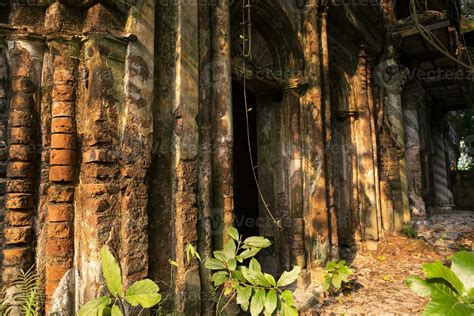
(223, 195)
(62, 177)
(368, 202)
(26, 59)
(316, 212)
(100, 126)
(295, 175)
(4, 91)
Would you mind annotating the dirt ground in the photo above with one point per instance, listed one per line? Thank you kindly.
(378, 287)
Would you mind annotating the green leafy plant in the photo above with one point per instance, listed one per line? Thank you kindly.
(253, 289)
(409, 231)
(27, 295)
(337, 274)
(451, 290)
(143, 293)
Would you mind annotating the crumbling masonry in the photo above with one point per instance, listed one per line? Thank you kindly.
(121, 124)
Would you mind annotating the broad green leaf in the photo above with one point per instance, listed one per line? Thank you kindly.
(107, 311)
(243, 296)
(237, 274)
(287, 296)
(239, 259)
(93, 307)
(463, 266)
(270, 279)
(232, 264)
(418, 285)
(258, 302)
(441, 287)
(219, 278)
(271, 302)
(255, 265)
(220, 255)
(111, 271)
(336, 281)
(287, 278)
(249, 253)
(233, 233)
(326, 284)
(258, 241)
(116, 311)
(437, 270)
(447, 305)
(331, 266)
(173, 263)
(214, 264)
(230, 249)
(143, 293)
(250, 276)
(288, 310)
(262, 280)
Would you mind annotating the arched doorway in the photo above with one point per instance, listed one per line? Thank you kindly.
(268, 70)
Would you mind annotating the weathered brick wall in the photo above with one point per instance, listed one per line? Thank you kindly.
(4, 91)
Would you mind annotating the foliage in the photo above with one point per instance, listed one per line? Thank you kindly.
(451, 290)
(254, 290)
(409, 231)
(28, 296)
(337, 273)
(143, 293)
(465, 160)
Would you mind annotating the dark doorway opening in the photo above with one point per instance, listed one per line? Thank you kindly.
(245, 188)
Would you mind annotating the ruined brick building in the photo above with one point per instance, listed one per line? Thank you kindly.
(124, 123)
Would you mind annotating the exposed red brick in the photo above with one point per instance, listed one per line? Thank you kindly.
(62, 125)
(61, 109)
(19, 218)
(61, 173)
(63, 141)
(97, 171)
(21, 135)
(20, 118)
(17, 235)
(21, 153)
(19, 201)
(62, 157)
(18, 256)
(62, 76)
(20, 185)
(60, 194)
(59, 230)
(59, 247)
(22, 101)
(56, 271)
(20, 170)
(62, 92)
(60, 212)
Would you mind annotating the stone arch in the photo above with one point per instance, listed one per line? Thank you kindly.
(275, 65)
(277, 55)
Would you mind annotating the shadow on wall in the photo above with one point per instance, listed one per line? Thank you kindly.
(462, 190)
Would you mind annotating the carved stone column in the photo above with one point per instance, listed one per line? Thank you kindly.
(412, 102)
(26, 56)
(394, 120)
(443, 195)
(222, 124)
